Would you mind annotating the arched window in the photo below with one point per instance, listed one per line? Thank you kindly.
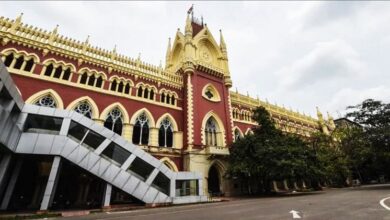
(139, 93)
(151, 94)
(211, 132)
(146, 93)
(163, 98)
(99, 82)
(57, 72)
(113, 86)
(46, 101)
(237, 135)
(8, 60)
(91, 81)
(85, 109)
(84, 78)
(173, 100)
(165, 133)
(49, 70)
(168, 99)
(19, 62)
(127, 88)
(120, 87)
(66, 75)
(29, 65)
(141, 130)
(114, 121)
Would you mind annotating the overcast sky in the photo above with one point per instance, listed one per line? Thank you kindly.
(296, 54)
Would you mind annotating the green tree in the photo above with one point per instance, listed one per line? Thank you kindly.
(369, 148)
(269, 154)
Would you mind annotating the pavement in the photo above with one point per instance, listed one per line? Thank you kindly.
(365, 202)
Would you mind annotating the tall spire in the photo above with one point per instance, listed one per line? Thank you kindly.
(168, 54)
(222, 43)
(188, 28)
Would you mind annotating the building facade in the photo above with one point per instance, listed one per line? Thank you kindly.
(184, 113)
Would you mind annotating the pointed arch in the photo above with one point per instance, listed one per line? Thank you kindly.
(118, 105)
(56, 62)
(133, 119)
(95, 109)
(171, 118)
(248, 131)
(7, 51)
(57, 98)
(169, 163)
(236, 128)
(220, 124)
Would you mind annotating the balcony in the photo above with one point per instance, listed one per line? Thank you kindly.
(218, 150)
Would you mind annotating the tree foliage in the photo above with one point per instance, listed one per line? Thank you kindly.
(269, 154)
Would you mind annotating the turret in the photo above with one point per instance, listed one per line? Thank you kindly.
(168, 55)
(188, 28)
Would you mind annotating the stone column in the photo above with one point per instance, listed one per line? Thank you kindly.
(11, 184)
(51, 184)
(153, 138)
(107, 196)
(127, 132)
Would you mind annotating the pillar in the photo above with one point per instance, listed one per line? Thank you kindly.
(303, 184)
(107, 196)
(11, 184)
(127, 132)
(153, 137)
(51, 184)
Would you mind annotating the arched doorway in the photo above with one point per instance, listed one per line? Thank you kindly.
(213, 182)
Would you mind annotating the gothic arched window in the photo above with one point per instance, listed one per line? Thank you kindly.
(8, 59)
(237, 135)
(114, 121)
(165, 133)
(46, 101)
(49, 70)
(141, 130)
(29, 65)
(139, 92)
(211, 132)
(19, 62)
(85, 109)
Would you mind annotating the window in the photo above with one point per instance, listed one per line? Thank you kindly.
(116, 153)
(42, 124)
(57, 72)
(163, 97)
(8, 60)
(93, 140)
(139, 93)
(141, 169)
(165, 134)
(211, 132)
(19, 62)
(84, 78)
(114, 121)
(162, 183)
(66, 75)
(146, 93)
(85, 109)
(29, 65)
(46, 101)
(210, 93)
(113, 86)
(76, 131)
(99, 82)
(120, 87)
(237, 135)
(127, 88)
(91, 81)
(141, 130)
(187, 187)
(49, 70)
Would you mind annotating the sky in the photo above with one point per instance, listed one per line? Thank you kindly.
(296, 54)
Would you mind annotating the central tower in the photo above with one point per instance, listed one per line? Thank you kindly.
(203, 64)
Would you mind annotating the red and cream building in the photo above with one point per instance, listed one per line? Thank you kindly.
(183, 113)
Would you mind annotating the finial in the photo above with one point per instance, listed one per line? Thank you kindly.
(188, 27)
(222, 43)
(19, 18)
(87, 40)
(55, 30)
(139, 56)
(114, 50)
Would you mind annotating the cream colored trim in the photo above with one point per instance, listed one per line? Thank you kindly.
(168, 92)
(170, 164)
(56, 63)
(248, 131)
(103, 115)
(57, 98)
(91, 88)
(171, 118)
(239, 130)
(95, 109)
(219, 124)
(17, 52)
(211, 87)
(152, 123)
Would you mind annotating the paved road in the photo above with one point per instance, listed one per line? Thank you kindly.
(344, 204)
